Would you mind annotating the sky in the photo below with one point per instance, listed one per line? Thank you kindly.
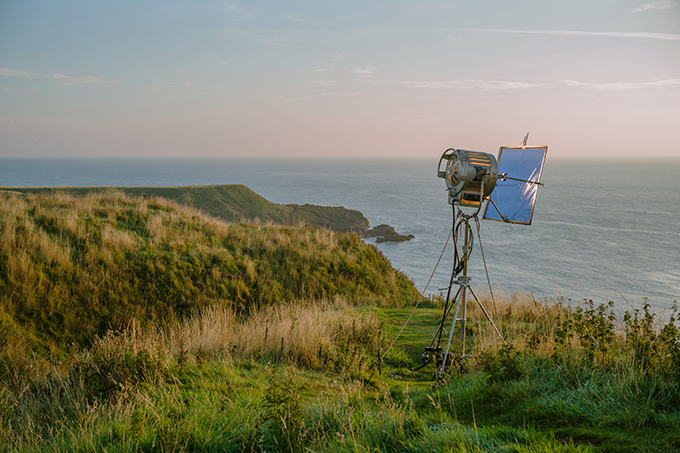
(346, 78)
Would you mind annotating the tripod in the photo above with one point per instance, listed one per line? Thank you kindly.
(459, 300)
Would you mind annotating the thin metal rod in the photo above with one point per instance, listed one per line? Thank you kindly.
(504, 176)
(447, 309)
(463, 282)
(505, 219)
(487, 315)
(453, 326)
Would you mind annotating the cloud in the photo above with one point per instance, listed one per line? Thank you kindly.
(609, 34)
(297, 19)
(61, 79)
(622, 86)
(367, 71)
(484, 85)
(662, 4)
(282, 99)
(13, 90)
(184, 84)
(342, 94)
(190, 84)
(15, 73)
(235, 13)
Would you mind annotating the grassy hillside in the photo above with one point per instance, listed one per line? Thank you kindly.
(268, 339)
(232, 203)
(72, 267)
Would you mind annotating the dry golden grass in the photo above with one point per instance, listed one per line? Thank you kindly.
(295, 331)
(117, 239)
(523, 322)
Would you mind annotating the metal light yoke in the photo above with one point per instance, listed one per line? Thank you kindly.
(466, 174)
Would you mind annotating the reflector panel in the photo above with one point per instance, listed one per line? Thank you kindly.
(513, 200)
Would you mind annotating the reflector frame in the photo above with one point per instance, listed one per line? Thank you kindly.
(513, 201)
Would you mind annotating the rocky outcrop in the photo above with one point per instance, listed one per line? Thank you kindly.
(385, 233)
(336, 218)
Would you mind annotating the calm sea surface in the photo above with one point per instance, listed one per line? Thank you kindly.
(601, 230)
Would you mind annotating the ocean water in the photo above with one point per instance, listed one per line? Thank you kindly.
(601, 230)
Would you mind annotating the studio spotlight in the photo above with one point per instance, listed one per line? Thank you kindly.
(506, 189)
(465, 174)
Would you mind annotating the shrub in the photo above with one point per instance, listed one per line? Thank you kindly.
(281, 420)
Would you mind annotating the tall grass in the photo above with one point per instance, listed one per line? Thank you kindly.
(219, 380)
(72, 268)
(41, 399)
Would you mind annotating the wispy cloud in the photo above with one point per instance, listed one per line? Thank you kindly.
(609, 34)
(341, 94)
(282, 99)
(14, 90)
(320, 95)
(662, 4)
(61, 79)
(188, 84)
(485, 85)
(235, 13)
(184, 84)
(366, 72)
(622, 86)
(297, 19)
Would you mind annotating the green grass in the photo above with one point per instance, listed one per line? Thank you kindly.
(72, 268)
(294, 369)
(230, 399)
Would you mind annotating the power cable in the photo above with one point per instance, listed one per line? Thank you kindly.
(420, 298)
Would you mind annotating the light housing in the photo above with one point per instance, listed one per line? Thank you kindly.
(465, 173)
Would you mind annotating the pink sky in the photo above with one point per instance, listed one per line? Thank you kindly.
(215, 79)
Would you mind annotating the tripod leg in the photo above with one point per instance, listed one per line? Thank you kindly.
(463, 319)
(460, 302)
(487, 315)
(447, 310)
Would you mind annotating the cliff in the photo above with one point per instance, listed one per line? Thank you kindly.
(232, 203)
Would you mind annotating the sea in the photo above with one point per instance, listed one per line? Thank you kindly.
(602, 230)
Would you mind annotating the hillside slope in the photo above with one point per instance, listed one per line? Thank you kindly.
(72, 267)
(233, 203)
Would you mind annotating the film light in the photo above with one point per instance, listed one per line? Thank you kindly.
(508, 186)
(466, 173)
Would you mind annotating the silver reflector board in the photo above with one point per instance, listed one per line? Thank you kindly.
(519, 170)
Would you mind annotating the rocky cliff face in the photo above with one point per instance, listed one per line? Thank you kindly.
(333, 218)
